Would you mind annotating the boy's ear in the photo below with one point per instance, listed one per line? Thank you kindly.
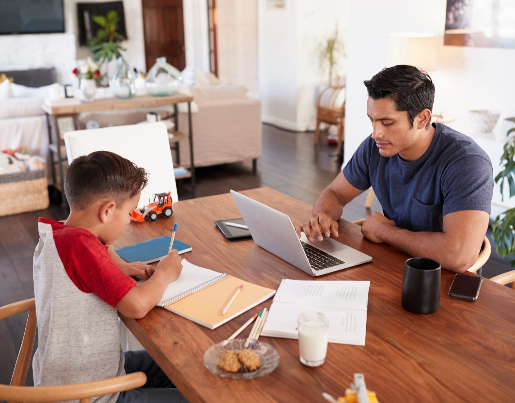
(106, 211)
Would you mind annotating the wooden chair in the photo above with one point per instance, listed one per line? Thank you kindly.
(329, 111)
(484, 254)
(505, 278)
(17, 392)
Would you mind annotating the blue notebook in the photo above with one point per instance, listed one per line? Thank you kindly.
(152, 250)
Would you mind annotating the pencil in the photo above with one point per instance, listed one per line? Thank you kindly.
(172, 238)
(252, 331)
(260, 329)
(232, 299)
(241, 329)
(255, 329)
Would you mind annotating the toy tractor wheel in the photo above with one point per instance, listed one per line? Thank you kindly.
(152, 216)
(167, 212)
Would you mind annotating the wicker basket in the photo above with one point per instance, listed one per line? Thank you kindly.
(22, 192)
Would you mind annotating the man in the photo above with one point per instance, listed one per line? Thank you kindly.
(435, 185)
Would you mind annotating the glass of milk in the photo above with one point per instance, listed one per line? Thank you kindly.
(313, 328)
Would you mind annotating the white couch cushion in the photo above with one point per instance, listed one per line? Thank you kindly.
(213, 80)
(213, 93)
(21, 91)
(19, 107)
(5, 90)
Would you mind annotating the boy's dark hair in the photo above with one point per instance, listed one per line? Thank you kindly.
(411, 89)
(102, 174)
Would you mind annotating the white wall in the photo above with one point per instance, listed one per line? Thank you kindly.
(289, 43)
(466, 78)
(237, 43)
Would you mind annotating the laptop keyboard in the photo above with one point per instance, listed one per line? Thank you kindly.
(319, 259)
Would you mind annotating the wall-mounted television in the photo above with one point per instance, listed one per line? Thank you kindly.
(31, 16)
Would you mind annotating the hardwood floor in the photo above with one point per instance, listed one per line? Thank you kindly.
(289, 164)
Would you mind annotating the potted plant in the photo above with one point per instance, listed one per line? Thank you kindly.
(105, 45)
(332, 52)
(503, 231)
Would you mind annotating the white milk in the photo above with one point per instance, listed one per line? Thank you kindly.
(313, 340)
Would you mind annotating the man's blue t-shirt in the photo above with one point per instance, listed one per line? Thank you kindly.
(454, 174)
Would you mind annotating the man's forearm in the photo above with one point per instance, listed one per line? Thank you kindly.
(329, 204)
(433, 245)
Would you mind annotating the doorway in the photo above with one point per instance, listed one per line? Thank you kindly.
(163, 29)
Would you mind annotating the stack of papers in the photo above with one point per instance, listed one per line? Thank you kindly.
(344, 303)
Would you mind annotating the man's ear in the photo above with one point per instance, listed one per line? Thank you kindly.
(106, 211)
(422, 118)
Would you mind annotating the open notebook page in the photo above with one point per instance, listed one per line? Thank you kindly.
(191, 276)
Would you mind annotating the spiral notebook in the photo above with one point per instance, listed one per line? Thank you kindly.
(200, 295)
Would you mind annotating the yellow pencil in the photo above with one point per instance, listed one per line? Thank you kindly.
(260, 329)
(252, 331)
(232, 299)
(241, 329)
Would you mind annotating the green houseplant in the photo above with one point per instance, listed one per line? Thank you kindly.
(332, 51)
(105, 45)
(503, 231)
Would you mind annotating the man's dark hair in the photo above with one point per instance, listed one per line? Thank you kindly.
(411, 89)
(102, 174)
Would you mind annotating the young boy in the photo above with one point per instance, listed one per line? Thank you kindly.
(80, 283)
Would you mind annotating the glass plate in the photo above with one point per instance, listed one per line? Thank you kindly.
(268, 357)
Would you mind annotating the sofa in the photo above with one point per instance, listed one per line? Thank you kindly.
(226, 125)
(22, 121)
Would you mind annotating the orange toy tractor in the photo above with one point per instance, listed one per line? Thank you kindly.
(162, 204)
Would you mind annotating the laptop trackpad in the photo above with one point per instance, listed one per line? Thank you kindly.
(327, 245)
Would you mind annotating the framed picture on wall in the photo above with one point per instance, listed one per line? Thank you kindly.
(88, 27)
(480, 23)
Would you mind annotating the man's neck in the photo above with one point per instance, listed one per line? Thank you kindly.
(425, 136)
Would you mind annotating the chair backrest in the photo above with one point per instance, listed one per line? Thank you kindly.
(332, 97)
(505, 278)
(146, 145)
(18, 392)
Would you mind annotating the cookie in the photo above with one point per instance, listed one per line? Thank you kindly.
(250, 359)
(229, 361)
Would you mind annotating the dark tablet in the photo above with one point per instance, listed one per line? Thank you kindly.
(233, 233)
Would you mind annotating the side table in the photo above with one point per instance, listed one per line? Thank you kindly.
(56, 139)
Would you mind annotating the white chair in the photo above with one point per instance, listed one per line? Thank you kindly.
(146, 145)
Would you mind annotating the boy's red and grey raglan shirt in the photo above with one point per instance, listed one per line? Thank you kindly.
(77, 287)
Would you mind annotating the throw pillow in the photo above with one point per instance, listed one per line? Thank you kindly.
(188, 76)
(21, 91)
(213, 80)
(200, 78)
(5, 90)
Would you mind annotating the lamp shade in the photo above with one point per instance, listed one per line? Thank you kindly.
(419, 50)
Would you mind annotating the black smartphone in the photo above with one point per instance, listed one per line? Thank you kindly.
(465, 287)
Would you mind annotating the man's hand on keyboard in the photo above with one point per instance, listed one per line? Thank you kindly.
(320, 224)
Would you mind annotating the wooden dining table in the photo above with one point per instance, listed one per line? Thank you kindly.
(464, 352)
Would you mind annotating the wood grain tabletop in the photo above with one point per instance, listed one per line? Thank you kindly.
(464, 352)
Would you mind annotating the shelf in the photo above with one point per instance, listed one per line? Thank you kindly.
(177, 136)
(183, 176)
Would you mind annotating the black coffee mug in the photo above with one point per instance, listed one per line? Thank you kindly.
(421, 285)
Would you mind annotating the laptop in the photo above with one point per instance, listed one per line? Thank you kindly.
(274, 232)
